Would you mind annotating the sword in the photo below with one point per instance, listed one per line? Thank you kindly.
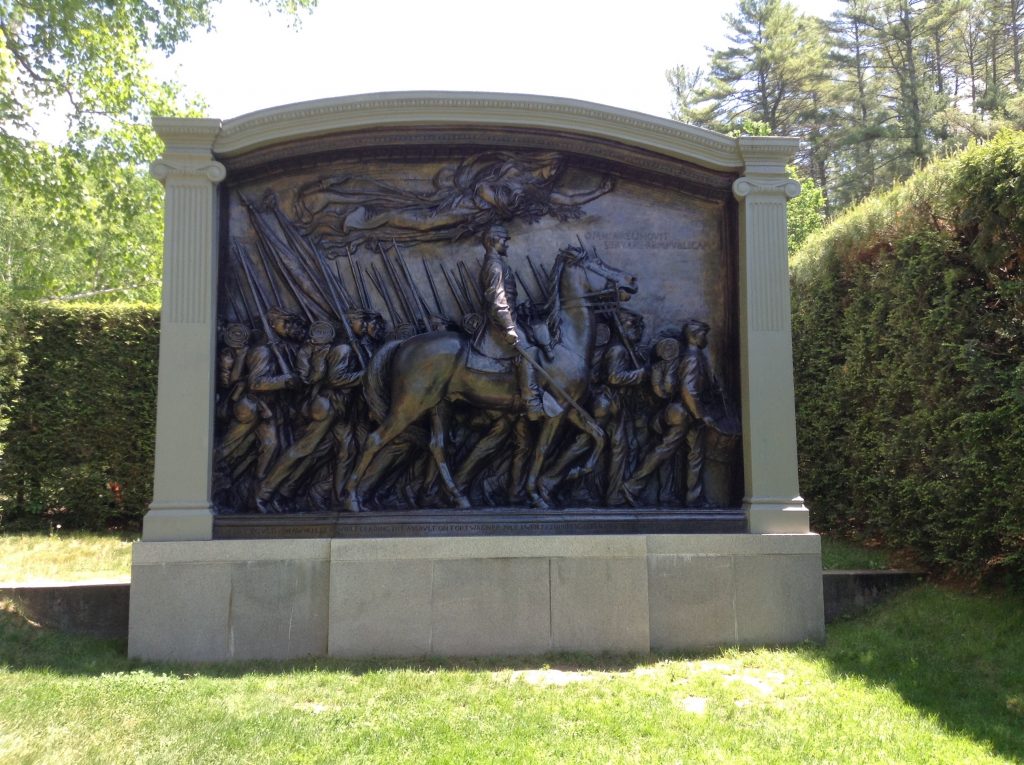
(583, 413)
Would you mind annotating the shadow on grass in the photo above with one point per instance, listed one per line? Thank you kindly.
(956, 656)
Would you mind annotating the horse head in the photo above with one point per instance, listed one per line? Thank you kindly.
(615, 279)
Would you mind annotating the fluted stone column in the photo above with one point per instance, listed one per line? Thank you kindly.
(772, 493)
(181, 508)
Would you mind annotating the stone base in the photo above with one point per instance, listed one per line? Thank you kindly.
(471, 596)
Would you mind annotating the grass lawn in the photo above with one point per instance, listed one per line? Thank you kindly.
(933, 676)
(839, 554)
(64, 557)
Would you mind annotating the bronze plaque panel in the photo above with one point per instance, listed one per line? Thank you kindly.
(411, 322)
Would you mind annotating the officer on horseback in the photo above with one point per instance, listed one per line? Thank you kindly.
(500, 336)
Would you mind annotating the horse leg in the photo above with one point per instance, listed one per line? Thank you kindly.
(596, 434)
(438, 424)
(396, 423)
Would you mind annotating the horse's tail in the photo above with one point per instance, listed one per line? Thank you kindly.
(377, 380)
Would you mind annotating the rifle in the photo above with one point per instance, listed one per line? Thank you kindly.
(389, 267)
(451, 288)
(260, 308)
(420, 304)
(361, 288)
(342, 312)
(522, 283)
(466, 280)
(433, 290)
(537, 278)
(378, 282)
(625, 340)
(363, 302)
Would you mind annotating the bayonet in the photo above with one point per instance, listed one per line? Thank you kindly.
(455, 294)
(343, 313)
(268, 268)
(417, 297)
(467, 280)
(361, 288)
(392, 273)
(537, 278)
(433, 290)
(355, 280)
(378, 282)
(522, 283)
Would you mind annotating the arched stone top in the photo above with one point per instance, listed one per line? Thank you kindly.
(309, 119)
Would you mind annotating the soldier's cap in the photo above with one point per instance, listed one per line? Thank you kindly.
(362, 314)
(279, 314)
(496, 231)
(695, 324)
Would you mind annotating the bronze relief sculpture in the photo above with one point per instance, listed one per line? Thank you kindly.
(387, 343)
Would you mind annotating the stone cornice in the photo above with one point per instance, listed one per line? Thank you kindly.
(429, 108)
(766, 156)
(187, 135)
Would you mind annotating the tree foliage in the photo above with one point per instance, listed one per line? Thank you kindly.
(82, 217)
(89, 56)
(806, 213)
(87, 224)
(877, 91)
(770, 74)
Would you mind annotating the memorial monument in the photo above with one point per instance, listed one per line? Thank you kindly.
(455, 373)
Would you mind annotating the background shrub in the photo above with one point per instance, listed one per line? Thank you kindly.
(78, 393)
(909, 357)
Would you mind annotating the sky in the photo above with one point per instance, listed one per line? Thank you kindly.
(612, 53)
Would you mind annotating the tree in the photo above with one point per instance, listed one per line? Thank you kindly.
(87, 225)
(84, 217)
(770, 74)
(806, 213)
(89, 56)
(767, 75)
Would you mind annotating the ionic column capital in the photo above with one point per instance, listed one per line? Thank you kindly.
(205, 169)
(782, 187)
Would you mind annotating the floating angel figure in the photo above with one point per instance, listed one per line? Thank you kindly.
(342, 213)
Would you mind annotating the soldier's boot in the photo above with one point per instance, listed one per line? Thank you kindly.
(529, 391)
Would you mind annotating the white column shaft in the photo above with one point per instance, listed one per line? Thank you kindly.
(771, 486)
(181, 508)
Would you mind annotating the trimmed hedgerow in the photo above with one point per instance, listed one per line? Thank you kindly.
(909, 356)
(78, 393)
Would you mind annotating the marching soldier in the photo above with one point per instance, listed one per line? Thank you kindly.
(266, 371)
(331, 371)
(687, 418)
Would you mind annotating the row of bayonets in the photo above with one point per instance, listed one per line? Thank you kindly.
(290, 261)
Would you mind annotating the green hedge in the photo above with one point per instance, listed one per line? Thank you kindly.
(909, 358)
(77, 408)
